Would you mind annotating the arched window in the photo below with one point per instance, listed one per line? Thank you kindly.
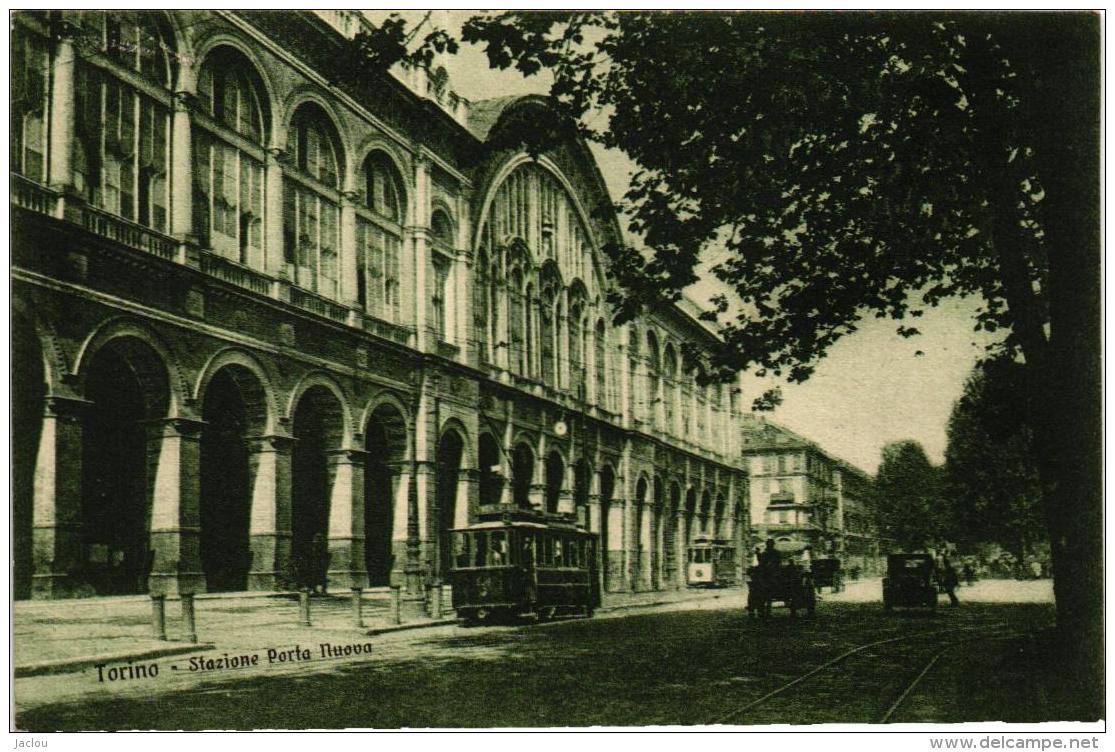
(28, 104)
(670, 386)
(578, 339)
(441, 233)
(228, 158)
(685, 391)
(311, 202)
(121, 129)
(634, 387)
(517, 323)
(654, 379)
(603, 388)
(549, 322)
(379, 233)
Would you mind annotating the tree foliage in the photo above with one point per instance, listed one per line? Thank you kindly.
(991, 476)
(906, 498)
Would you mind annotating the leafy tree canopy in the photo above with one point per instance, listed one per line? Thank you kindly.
(906, 497)
(991, 477)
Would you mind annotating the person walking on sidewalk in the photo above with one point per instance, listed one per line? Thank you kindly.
(949, 581)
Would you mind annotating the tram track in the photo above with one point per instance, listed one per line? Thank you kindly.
(786, 691)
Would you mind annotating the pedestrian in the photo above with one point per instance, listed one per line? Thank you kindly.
(969, 573)
(1035, 567)
(949, 581)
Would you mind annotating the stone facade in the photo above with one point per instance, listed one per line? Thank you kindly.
(265, 315)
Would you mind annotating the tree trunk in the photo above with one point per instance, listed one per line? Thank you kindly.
(1058, 56)
(1068, 390)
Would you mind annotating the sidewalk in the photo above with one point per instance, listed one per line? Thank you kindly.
(72, 635)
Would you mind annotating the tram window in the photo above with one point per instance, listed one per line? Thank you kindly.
(498, 548)
(478, 552)
(461, 549)
(526, 546)
(547, 553)
(559, 557)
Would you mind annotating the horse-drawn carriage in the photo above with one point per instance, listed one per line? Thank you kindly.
(787, 584)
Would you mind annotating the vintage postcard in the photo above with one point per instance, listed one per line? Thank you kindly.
(554, 370)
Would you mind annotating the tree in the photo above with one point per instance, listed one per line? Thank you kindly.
(991, 479)
(906, 497)
(865, 164)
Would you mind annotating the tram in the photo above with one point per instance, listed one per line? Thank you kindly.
(523, 564)
(712, 563)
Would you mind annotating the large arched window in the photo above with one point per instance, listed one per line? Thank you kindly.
(311, 202)
(28, 104)
(228, 158)
(379, 237)
(531, 208)
(121, 127)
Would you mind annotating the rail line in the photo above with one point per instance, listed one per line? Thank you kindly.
(832, 662)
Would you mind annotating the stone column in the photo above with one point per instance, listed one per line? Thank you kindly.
(56, 515)
(420, 544)
(270, 527)
(348, 270)
(60, 173)
(566, 503)
(404, 560)
(347, 569)
(175, 507)
(181, 169)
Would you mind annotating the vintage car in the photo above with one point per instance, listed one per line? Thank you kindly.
(828, 573)
(910, 581)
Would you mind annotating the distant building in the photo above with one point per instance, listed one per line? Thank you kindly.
(801, 494)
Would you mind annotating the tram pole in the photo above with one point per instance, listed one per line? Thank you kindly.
(396, 605)
(304, 607)
(357, 609)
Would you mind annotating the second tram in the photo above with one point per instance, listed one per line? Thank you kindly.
(712, 563)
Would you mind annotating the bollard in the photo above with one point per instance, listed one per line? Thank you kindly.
(158, 616)
(435, 603)
(396, 605)
(304, 607)
(188, 617)
(357, 609)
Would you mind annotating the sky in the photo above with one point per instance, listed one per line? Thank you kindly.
(870, 389)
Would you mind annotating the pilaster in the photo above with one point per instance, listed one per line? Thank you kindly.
(56, 512)
(175, 507)
(270, 527)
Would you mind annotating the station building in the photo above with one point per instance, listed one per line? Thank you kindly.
(260, 304)
(800, 495)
